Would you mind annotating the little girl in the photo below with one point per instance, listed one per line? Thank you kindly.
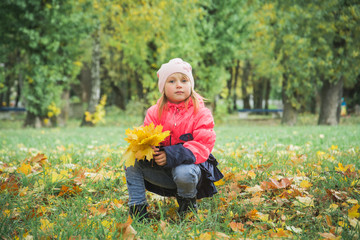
(183, 165)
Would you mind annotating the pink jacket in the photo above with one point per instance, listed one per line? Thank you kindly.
(196, 130)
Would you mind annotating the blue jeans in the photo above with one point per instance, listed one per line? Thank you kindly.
(184, 178)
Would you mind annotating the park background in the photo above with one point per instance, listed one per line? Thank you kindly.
(59, 58)
(93, 63)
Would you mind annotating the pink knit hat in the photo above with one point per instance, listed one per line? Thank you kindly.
(173, 66)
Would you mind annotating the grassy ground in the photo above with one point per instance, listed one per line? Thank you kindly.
(292, 182)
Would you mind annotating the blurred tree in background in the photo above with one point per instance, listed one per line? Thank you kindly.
(40, 41)
(304, 53)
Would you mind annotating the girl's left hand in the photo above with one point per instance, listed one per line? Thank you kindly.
(159, 156)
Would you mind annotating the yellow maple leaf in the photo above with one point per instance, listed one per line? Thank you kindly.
(24, 168)
(342, 168)
(46, 225)
(353, 212)
(141, 139)
(219, 183)
(305, 184)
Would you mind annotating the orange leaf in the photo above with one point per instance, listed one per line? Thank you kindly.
(125, 230)
(11, 185)
(64, 189)
(253, 214)
(290, 193)
(336, 195)
(39, 158)
(237, 227)
(274, 184)
(328, 220)
(264, 166)
(79, 177)
(280, 233)
(24, 168)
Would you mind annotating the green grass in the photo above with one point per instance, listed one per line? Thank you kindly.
(249, 155)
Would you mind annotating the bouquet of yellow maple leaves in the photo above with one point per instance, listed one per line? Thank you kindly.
(141, 139)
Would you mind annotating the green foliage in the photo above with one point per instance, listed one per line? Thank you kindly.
(297, 45)
(46, 36)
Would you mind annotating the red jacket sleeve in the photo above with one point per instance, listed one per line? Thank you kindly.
(151, 116)
(204, 136)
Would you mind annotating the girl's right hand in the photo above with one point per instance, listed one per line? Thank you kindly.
(159, 156)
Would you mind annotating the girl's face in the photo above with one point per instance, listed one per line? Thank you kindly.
(177, 88)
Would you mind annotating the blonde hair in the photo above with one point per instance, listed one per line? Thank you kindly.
(196, 98)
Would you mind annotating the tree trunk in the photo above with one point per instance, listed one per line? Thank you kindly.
(119, 98)
(267, 93)
(8, 82)
(244, 83)
(235, 85)
(95, 79)
(229, 87)
(289, 112)
(330, 102)
(139, 86)
(65, 108)
(20, 82)
(258, 93)
(32, 120)
(85, 82)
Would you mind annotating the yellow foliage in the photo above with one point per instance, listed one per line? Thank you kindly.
(341, 168)
(24, 168)
(353, 212)
(46, 225)
(305, 184)
(141, 140)
(99, 114)
(53, 110)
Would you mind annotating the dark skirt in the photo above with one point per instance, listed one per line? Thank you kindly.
(205, 188)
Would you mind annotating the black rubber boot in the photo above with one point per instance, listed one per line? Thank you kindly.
(139, 212)
(186, 205)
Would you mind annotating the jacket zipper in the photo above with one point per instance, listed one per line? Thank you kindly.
(174, 117)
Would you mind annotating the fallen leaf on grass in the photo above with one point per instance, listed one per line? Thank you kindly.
(292, 193)
(262, 166)
(253, 214)
(24, 168)
(237, 227)
(219, 183)
(279, 232)
(341, 168)
(304, 202)
(11, 184)
(353, 212)
(213, 236)
(98, 211)
(163, 225)
(125, 230)
(336, 196)
(80, 177)
(254, 189)
(46, 225)
(329, 236)
(305, 184)
(69, 191)
(294, 229)
(274, 184)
